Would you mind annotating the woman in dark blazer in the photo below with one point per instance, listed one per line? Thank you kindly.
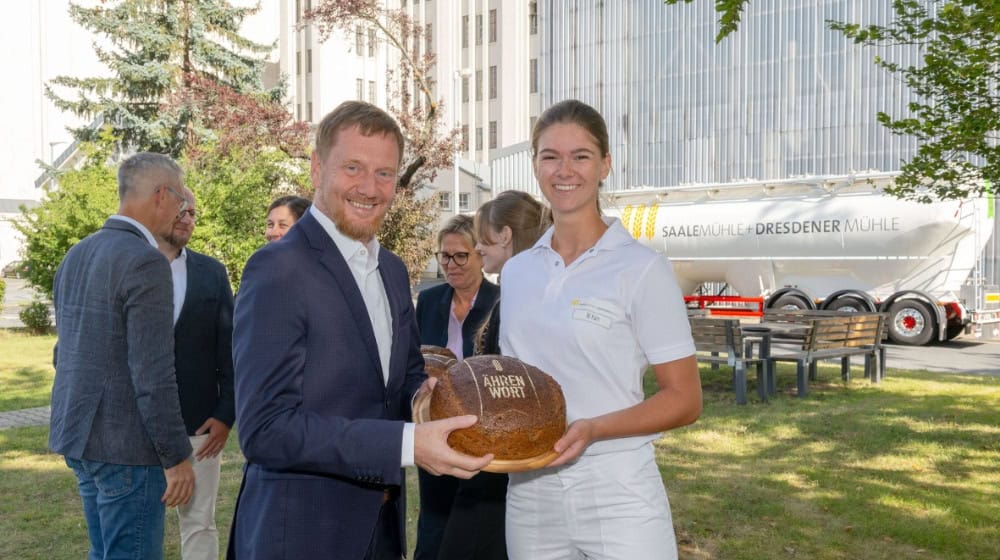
(450, 315)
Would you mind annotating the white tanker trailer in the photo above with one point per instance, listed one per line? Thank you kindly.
(827, 243)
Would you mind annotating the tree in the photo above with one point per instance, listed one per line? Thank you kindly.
(158, 46)
(68, 212)
(956, 118)
(234, 189)
(408, 230)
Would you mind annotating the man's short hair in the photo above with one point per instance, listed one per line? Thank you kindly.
(370, 119)
(135, 167)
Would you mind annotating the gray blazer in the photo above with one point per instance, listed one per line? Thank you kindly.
(115, 395)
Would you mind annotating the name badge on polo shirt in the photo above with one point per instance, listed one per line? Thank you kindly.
(595, 311)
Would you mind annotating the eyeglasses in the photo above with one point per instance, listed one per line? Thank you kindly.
(184, 201)
(458, 258)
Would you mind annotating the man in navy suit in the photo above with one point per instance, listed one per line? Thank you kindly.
(203, 360)
(327, 359)
(115, 411)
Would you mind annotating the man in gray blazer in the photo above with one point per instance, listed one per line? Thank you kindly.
(203, 360)
(115, 411)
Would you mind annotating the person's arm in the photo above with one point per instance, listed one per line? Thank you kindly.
(147, 291)
(677, 403)
(224, 413)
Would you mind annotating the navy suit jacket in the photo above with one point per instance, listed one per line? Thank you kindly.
(321, 431)
(114, 398)
(203, 344)
(434, 307)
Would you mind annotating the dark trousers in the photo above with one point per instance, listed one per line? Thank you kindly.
(386, 543)
(436, 496)
(476, 526)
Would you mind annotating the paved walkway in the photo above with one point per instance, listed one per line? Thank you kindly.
(26, 417)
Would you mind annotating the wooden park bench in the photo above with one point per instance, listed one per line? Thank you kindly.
(828, 335)
(721, 341)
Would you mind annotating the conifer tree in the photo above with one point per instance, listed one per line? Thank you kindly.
(157, 48)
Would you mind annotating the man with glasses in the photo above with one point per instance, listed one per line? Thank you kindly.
(116, 416)
(203, 358)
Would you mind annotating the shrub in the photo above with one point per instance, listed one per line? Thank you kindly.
(36, 317)
(3, 288)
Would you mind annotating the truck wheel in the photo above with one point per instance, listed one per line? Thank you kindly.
(790, 302)
(848, 304)
(911, 322)
(953, 330)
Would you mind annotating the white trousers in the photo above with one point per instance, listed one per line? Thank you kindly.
(199, 537)
(611, 506)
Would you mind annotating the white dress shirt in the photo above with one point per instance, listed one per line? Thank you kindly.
(179, 271)
(362, 259)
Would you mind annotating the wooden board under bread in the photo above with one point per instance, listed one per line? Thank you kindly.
(422, 413)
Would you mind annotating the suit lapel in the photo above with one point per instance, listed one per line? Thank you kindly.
(333, 261)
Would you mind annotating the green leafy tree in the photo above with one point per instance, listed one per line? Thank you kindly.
(157, 47)
(430, 145)
(70, 210)
(956, 117)
(234, 188)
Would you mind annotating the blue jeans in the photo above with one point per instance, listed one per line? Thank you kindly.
(122, 506)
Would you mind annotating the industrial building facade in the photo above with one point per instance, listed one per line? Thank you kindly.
(782, 97)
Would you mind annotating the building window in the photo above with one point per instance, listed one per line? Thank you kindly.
(479, 85)
(298, 63)
(444, 201)
(359, 41)
(479, 29)
(465, 138)
(493, 134)
(465, 32)
(463, 202)
(309, 61)
(533, 76)
(428, 42)
(465, 89)
(531, 124)
(371, 42)
(402, 4)
(309, 111)
(533, 18)
(371, 91)
(298, 12)
(298, 112)
(479, 138)
(493, 26)
(493, 82)
(360, 85)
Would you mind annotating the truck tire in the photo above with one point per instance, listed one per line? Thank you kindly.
(791, 302)
(911, 322)
(850, 304)
(953, 330)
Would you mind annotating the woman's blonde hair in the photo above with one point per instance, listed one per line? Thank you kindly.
(526, 217)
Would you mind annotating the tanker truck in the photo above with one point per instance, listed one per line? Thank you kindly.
(831, 242)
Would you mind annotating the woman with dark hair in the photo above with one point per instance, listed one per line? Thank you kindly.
(282, 215)
(594, 309)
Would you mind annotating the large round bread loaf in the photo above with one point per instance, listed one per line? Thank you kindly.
(521, 410)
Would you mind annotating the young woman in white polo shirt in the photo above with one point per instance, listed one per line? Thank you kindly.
(593, 308)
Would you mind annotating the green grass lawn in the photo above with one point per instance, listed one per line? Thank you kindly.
(909, 469)
(25, 370)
